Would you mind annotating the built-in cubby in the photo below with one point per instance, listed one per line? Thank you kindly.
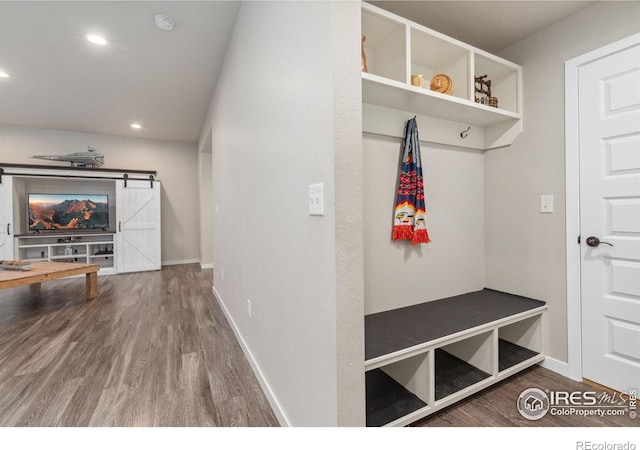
(432, 55)
(518, 342)
(425, 357)
(398, 389)
(386, 43)
(396, 49)
(462, 364)
(504, 80)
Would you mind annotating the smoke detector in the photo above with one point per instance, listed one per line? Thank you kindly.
(164, 22)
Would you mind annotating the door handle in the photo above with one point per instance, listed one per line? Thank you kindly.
(8, 229)
(593, 241)
(120, 227)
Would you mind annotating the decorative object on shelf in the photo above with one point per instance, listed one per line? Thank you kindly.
(442, 83)
(483, 91)
(90, 158)
(417, 79)
(364, 57)
(409, 222)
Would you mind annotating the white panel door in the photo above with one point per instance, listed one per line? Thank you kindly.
(6, 218)
(138, 227)
(609, 142)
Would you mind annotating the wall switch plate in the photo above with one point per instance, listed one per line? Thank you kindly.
(546, 204)
(316, 199)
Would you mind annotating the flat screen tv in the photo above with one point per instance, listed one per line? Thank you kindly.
(68, 212)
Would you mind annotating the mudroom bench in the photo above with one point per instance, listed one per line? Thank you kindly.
(422, 358)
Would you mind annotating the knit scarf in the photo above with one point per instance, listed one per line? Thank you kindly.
(410, 215)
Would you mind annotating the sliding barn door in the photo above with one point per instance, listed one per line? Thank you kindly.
(6, 218)
(138, 225)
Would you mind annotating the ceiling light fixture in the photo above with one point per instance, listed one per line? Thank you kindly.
(137, 126)
(4, 74)
(163, 22)
(97, 39)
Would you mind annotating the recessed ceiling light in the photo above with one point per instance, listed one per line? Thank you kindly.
(137, 126)
(97, 39)
(4, 75)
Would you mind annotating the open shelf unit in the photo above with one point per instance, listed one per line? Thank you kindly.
(422, 358)
(88, 248)
(397, 48)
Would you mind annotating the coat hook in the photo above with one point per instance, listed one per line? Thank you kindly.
(464, 133)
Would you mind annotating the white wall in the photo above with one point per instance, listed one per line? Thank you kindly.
(286, 114)
(176, 164)
(398, 273)
(525, 249)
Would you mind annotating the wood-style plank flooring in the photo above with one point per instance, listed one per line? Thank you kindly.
(153, 349)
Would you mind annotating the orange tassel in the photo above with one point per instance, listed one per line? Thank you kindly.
(402, 232)
(420, 237)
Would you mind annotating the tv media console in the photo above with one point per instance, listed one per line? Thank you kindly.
(131, 242)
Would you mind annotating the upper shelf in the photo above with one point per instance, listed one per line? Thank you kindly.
(397, 95)
(396, 48)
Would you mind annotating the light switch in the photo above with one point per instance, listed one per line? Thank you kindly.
(546, 204)
(316, 200)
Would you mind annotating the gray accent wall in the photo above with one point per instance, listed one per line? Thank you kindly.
(398, 273)
(525, 250)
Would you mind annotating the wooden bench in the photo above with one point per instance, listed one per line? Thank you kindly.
(46, 271)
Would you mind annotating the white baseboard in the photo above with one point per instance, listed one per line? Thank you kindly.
(557, 366)
(206, 266)
(180, 261)
(273, 401)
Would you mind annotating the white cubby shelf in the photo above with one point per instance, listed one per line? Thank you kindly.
(425, 357)
(87, 248)
(396, 48)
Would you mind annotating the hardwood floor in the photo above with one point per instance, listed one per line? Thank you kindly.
(154, 349)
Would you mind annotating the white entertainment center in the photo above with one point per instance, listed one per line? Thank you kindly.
(130, 243)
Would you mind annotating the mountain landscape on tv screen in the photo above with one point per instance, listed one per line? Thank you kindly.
(68, 215)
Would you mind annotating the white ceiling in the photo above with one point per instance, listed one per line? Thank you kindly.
(161, 79)
(490, 26)
(164, 80)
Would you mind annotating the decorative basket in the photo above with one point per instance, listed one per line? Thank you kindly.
(442, 83)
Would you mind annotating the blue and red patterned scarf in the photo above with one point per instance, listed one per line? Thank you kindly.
(410, 214)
